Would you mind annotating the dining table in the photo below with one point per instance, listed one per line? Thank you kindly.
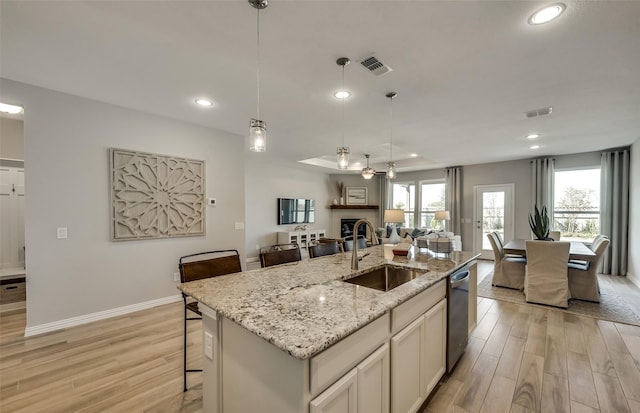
(577, 250)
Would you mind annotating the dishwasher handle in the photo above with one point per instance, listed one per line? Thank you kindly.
(458, 279)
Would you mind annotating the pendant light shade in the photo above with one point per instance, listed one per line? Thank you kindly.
(343, 157)
(391, 170)
(258, 135)
(368, 173)
(343, 151)
(391, 166)
(257, 127)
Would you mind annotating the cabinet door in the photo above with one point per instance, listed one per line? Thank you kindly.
(341, 397)
(435, 341)
(407, 367)
(373, 382)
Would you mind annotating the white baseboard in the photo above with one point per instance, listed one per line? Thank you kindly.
(100, 315)
(634, 279)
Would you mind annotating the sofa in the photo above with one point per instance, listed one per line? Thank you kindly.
(422, 240)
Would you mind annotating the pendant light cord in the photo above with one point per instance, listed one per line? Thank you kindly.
(342, 103)
(391, 135)
(258, 64)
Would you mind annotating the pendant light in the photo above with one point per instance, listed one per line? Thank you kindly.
(343, 151)
(391, 166)
(368, 173)
(257, 127)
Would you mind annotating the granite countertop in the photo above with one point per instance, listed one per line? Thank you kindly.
(305, 307)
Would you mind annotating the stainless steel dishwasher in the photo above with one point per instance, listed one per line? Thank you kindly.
(457, 315)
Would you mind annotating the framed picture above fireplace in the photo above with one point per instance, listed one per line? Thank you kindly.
(356, 195)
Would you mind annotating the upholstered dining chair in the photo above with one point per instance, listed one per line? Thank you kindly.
(594, 244)
(583, 275)
(199, 266)
(347, 244)
(279, 254)
(324, 248)
(546, 280)
(500, 242)
(508, 271)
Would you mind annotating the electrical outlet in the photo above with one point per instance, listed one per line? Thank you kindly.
(257, 247)
(176, 276)
(239, 225)
(208, 345)
(62, 233)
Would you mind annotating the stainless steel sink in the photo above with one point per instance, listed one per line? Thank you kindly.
(385, 278)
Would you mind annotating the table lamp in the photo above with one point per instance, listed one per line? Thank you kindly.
(393, 216)
(442, 216)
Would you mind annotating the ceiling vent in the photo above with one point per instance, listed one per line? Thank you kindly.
(539, 112)
(375, 66)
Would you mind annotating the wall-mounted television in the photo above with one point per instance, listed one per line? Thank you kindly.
(296, 211)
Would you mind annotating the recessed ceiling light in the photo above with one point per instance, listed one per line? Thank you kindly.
(12, 109)
(342, 94)
(534, 146)
(547, 14)
(204, 102)
(533, 136)
(414, 155)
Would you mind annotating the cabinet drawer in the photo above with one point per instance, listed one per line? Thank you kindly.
(328, 366)
(408, 311)
(13, 292)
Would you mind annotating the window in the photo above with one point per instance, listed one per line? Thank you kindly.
(576, 206)
(403, 196)
(432, 199)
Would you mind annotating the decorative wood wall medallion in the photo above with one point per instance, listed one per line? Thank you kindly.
(155, 196)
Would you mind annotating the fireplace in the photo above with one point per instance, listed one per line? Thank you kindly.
(346, 227)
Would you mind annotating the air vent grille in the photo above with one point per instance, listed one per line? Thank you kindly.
(375, 66)
(539, 112)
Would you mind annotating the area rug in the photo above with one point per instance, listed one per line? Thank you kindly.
(612, 307)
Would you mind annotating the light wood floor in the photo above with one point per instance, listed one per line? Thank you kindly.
(519, 359)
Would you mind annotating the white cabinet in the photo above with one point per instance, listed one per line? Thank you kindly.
(418, 358)
(302, 238)
(365, 389)
(407, 374)
(435, 341)
(341, 397)
(373, 382)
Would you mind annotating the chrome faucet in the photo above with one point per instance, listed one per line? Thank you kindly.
(374, 241)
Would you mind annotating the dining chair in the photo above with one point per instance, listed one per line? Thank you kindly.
(279, 254)
(583, 278)
(594, 244)
(508, 271)
(554, 235)
(199, 266)
(324, 248)
(347, 243)
(501, 246)
(546, 279)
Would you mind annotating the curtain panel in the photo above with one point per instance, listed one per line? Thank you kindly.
(614, 209)
(542, 171)
(453, 197)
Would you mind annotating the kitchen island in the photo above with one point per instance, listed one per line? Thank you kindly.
(298, 338)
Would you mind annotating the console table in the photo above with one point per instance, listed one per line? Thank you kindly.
(302, 238)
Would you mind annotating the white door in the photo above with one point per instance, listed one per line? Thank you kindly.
(341, 397)
(407, 368)
(493, 211)
(435, 341)
(373, 382)
(11, 217)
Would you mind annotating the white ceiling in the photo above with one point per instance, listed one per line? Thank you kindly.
(465, 71)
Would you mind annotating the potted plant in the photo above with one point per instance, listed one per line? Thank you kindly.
(539, 223)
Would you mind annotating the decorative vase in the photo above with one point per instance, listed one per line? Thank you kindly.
(341, 200)
(335, 201)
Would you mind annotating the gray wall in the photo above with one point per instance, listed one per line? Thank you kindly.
(265, 183)
(66, 142)
(634, 211)
(11, 138)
